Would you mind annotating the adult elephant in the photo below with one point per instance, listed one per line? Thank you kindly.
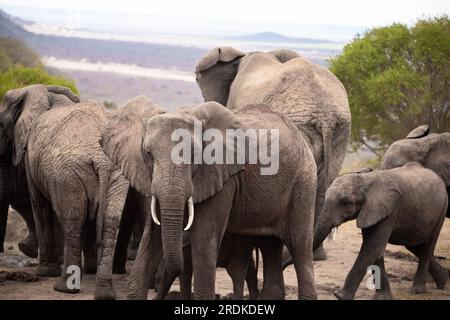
(431, 150)
(13, 186)
(136, 206)
(69, 178)
(310, 95)
(227, 195)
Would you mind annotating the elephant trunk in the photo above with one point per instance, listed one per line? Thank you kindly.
(5, 181)
(321, 231)
(172, 217)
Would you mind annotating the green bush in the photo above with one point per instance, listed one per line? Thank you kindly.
(397, 78)
(20, 76)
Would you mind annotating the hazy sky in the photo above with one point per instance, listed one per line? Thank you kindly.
(342, 12)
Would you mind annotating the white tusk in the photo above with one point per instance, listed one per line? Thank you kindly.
(154, 217)
(191, 214)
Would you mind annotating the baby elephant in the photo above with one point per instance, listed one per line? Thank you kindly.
(402, 206)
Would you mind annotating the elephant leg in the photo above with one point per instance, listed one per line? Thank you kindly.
(186, 277)
(425, 253)
(73, 220)
(252, 279)
(147, 260)
(115, 202)
(319, 253)
(420, 278)
(375, 239)
(384, 293)
(211, 219)
(3, 223)
(164, 284)
(44, 216)
(29, 245)
(238, 262)
(298, 237)
(89, 250)
(273, 284)
(439, 273)
(125, 230)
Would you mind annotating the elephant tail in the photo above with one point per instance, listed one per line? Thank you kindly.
(103, 170)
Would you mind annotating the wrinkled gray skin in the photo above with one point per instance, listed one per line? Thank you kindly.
(431, 150)
(234, 255)
(136, 207)
(403, 206)
(309, 94)
(69, 178)
(230, 195)
(13, 186)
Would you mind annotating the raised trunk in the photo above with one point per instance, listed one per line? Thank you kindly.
(5, 181)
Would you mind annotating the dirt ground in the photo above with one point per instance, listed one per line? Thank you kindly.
(18, 281)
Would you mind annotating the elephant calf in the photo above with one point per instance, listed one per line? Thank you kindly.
(402, 206)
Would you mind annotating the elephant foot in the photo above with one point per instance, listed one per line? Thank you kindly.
(104, 290)
(320, 254)
(272, 294)
(29, 245)
(383, 296)
(49, 270)
(441, 278)
(61, 286)
(342, 295)
(253, 295)
(419, 288)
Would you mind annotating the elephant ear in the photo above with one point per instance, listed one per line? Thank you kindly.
(121, 141)
(380, 200)
(438, 157)
(210, 178)
(284, 55)
(214, 56)
(419, 132)
(20, 108)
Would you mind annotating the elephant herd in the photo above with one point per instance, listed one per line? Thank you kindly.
(85, 179)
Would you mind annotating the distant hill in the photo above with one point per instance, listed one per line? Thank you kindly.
(9, 27)
(276, 37)
(113, 51)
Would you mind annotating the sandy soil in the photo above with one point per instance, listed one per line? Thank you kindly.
(21, 283)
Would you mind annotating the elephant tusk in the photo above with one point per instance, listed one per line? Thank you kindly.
(154, 217)
(191, 214)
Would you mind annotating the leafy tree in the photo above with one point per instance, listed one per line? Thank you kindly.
(397, 78)
(19, 76)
